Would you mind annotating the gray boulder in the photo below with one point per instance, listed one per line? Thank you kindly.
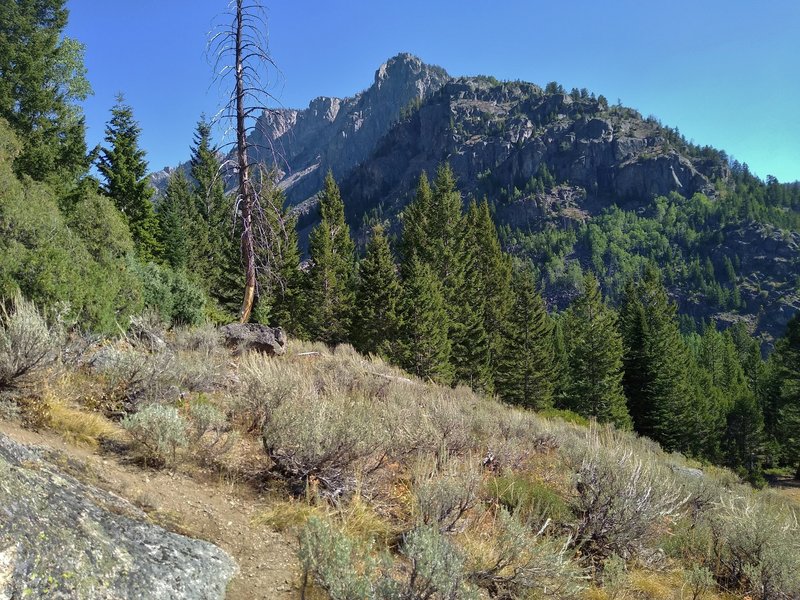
(253, 336)
(60, 538)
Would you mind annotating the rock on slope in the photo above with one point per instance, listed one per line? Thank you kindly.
(60, 538)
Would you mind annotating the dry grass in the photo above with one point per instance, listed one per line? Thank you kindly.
(80, 427)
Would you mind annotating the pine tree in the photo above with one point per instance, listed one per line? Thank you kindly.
(415, 225)
(378, 294)
(172, 221)
(657, 366)
(42, 77)
(123, 166)
(787, 384)
(423, 345)
(284, 289)
(594, 358)
(216, 253)
(744, 437)
(330, 281)
(527, 362)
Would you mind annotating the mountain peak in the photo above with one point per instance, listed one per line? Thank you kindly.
(406, 66)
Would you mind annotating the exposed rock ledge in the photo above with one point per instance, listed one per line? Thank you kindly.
(60, 538)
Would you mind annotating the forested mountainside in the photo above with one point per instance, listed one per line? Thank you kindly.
(574, 184)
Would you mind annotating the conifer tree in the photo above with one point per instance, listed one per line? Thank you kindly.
(217, 259)
(527, 363)
(657, 366)
(285, 288)
(593, 346)
(42, 77)
(489, 281)
(787, 377)
(123, 166)
(415, 225)
(423, 345)
(330, 279)
(172, 221)
(378, 295)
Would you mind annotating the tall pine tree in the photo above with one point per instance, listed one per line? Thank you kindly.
(42, 77)
(423, 345)
(123, 166)
(172, 221)
(526, 369)
(787, 384)
(378, 295)
(657, 366)
(593, 347)
(330, 289)
(217, 255)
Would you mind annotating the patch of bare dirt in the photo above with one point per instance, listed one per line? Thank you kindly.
(204, 506)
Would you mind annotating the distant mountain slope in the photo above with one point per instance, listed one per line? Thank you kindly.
(573, 182)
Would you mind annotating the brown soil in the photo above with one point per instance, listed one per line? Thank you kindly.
(203, 506)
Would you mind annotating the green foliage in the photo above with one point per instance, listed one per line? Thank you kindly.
(42, 77)
(158, 431)
(171, 294)
(594, 352)
(527, 360)
(786, 383)
(530, 500)
(656, 380)
(423, 345)
(74, 261)
(376, 323)
(124, 168)
(214, 253)
(27, 343)
(330, 281)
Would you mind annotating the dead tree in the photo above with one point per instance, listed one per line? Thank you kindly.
(241, 53)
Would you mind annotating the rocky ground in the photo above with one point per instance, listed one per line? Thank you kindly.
(202, 506)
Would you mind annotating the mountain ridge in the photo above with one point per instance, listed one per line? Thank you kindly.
(549, 161)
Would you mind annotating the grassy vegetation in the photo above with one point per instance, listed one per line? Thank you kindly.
(397, 488)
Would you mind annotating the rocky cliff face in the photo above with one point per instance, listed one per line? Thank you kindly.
(338, 134)
(502, 134)
(60, 538)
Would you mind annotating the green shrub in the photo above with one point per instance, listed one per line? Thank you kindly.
(27, 343)
(176, 299)
(445, 493)
(158, 432)
(209, 434)
(533, 501)
(567, 416)
(342, 567)
(756, 546)
(518, 561)
(623, 498)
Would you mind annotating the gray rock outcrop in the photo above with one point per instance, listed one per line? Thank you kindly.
(60, 538)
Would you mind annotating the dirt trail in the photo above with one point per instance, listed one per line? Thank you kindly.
(207, 508)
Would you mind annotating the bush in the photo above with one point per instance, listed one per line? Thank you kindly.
(158, 432)
(530, 499)
(445, 493)
(756, 546)
(514, 560)
(209, 434)
(27, 344)
(133, 376)
(624, 497)
(342, 567)
(347, 570)
(176, 299)
(321, 438)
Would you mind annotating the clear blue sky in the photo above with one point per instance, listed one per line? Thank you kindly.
(726, 72)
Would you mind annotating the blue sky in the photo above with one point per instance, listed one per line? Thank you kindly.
(727, 73)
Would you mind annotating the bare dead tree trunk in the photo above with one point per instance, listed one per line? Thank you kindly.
(246, 194)
(241, 51)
